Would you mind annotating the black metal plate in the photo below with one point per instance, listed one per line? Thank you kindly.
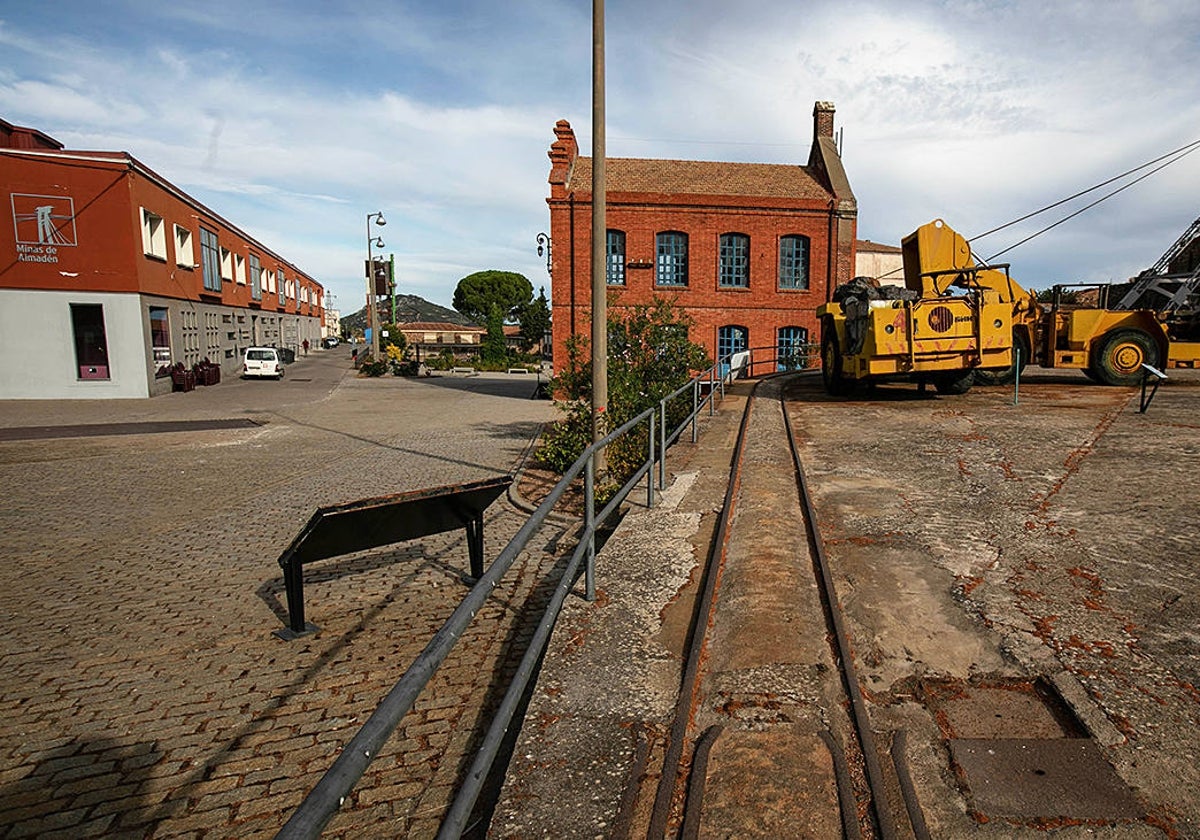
(370, 523)
(1043, 779)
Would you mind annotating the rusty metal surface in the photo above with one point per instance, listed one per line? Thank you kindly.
(1034, 779)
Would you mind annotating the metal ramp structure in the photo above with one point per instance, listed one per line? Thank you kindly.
(1161, 290)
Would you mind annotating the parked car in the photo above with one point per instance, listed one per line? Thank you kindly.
(262, 361)
(286, 355)
(329, 342)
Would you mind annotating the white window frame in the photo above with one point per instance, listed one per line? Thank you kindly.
(185, 250)
(226, 263)
(154, 235)
(239, 269)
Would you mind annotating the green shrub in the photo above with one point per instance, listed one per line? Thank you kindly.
(372, 367)
(649, 356)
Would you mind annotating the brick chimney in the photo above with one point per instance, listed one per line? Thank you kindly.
(563, 152)
(822, 120)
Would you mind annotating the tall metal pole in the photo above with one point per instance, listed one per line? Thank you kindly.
(371, 295)
(599, 240)
(372, 299)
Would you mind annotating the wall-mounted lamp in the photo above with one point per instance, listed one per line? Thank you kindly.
(544, 244)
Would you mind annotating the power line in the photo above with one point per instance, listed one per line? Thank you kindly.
(1179, 154)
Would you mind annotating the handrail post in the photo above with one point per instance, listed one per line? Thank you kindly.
(1016, 374)
(650, 472)
(712, 390)
(662, 446)
(695, 406)
(589, 524)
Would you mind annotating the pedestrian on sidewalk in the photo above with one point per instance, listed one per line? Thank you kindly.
(305, 346)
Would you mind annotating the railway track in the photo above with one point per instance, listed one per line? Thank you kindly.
(772, 735)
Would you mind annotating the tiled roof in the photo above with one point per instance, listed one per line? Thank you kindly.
(700, 177)
(876, 247)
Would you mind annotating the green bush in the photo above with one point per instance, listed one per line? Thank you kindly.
(565, 440)
(372, 367)
(649, 356)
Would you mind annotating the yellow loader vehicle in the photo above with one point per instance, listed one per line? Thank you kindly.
(1109, 331)
(948, 321)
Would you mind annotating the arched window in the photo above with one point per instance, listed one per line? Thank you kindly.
(732, 338)
(791, 353)
(615, 262)
(734, 268)
(672, 264)
(793, 262)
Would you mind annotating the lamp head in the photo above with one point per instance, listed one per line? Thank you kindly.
(380, 220)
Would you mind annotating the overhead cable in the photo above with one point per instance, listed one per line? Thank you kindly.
(1184, 149)
(1179, 155)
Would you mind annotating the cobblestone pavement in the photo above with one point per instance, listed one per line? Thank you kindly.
(143, 693)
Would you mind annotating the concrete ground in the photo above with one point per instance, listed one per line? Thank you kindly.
(142, 691)
(1014, 577)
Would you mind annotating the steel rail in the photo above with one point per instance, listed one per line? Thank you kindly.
(689, 682)
(861, 719)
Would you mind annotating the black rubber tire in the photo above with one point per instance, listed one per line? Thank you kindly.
(1119, 357)
(1005, 376)
(955, 383)
(831, 363)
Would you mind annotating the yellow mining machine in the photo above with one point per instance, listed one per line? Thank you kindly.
(956, 322)
(1111, 331)
(950, 319)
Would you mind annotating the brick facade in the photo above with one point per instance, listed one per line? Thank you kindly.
(704, 200)
(114, 275)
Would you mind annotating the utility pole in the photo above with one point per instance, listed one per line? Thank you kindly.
(599, 242)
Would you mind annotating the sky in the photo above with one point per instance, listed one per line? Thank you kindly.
(294, 120)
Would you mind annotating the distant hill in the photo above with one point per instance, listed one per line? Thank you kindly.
(409, 308)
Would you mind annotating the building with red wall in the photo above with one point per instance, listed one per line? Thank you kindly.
(109, 275)
(748, 250)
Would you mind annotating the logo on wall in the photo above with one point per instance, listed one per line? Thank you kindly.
(43, 224)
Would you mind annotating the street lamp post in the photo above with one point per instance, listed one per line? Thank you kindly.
(377, 241)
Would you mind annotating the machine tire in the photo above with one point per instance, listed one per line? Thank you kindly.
(1005, 376)
(1119, 357)
(831, 363)
(955, 383)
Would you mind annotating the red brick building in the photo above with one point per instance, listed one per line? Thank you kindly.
(110, 274)
(748, 250)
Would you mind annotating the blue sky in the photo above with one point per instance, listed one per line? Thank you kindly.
(296, 119)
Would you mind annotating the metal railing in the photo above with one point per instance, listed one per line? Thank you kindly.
(323, 801)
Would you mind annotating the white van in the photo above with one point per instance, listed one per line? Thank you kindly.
(262, 361)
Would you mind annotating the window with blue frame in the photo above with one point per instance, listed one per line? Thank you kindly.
(791, 349)
(672, 259)
(281, 286)
(732, 338)
(734, 261)
(210, 259)
(614, 273)
(793, 262)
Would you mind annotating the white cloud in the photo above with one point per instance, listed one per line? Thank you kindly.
(976, 111)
